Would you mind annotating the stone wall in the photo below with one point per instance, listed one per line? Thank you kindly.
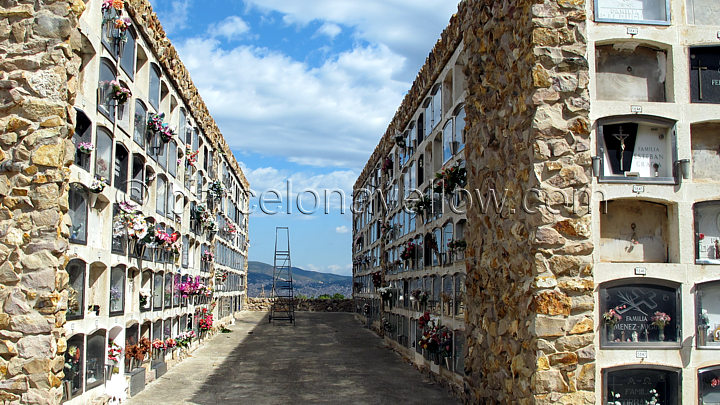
(529, 274)
(309, 305)
(38, 81)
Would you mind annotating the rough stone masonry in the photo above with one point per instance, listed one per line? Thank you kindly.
(38, 78)
(529, 276)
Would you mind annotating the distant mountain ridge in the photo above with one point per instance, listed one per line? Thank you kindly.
(306, 282)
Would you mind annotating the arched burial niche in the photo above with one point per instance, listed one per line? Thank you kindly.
(629, 71)
(641, 384)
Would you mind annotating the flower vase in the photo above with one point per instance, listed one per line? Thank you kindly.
(447, 362)
(661, 334)
(120, 111)
(702, 335)
(610, 333)
(92, 199)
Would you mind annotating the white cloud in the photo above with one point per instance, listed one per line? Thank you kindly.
(230, 28)
(267, 103)
(409, 28)
(329, 29)
(175, 15)
(328, 185)
(342, 229)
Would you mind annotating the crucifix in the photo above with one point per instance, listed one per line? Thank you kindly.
(621, 137)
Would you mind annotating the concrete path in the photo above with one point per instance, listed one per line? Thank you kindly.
(326, 358)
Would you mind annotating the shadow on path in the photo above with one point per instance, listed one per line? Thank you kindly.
(325, 358)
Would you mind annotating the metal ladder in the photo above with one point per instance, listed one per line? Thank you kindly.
(283, 299)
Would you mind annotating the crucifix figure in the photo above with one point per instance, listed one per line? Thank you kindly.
(621, 137)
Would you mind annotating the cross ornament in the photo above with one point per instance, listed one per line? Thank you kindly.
(621, 137)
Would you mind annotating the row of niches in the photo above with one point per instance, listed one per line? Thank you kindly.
(656, 12)
(644, 149)
(639, 231)
(96, 290)
(416, 333)
(647, 313)
(648, 384)
(630, 71)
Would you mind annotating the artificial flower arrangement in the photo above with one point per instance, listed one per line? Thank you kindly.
(120, 93)
(612, 316)
(207, 256)
(158, 344)
(170, 343)
(122, 25)
(185, 338)
(377, 279)
(409, 252)
(85, 147)
(424, 320)
(205, 322)
(459, 245)
(193, 287)
(98, 185)
(423, 205)
(155, 124)
(130, 221)
(72, 362)
(111, 9)
(386, 293)
(221, 276)
(144, 297)
(190, 156)
(419, 296)
(230, 228)
(387, 164)
(660, 319)
(114, 352)
(448, 179)
(171, 242)
(217, 189)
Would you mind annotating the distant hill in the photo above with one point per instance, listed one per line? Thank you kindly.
(306, 282)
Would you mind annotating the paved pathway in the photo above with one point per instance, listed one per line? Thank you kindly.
(326, 358)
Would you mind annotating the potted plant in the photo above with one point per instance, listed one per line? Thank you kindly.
(450, 178)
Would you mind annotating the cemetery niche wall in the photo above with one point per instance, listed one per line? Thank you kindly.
(634, 231)
(705, 151)
(627, 71)
(637, 149)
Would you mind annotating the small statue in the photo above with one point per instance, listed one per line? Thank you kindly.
(717, 248)
(635, 336)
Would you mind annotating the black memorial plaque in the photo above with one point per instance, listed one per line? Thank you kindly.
(705, 75)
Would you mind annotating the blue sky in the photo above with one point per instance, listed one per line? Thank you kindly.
(302, 91)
